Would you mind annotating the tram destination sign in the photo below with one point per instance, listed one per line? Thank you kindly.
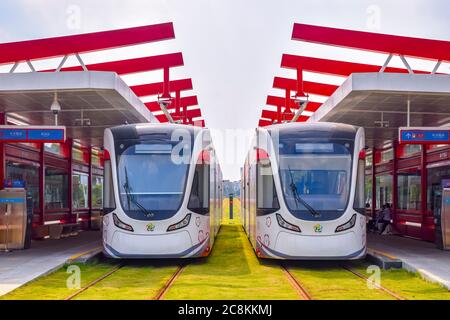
(41, 134)
(424, 135)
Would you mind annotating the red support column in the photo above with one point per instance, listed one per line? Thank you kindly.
(90, 188)
(71, 219)
(279, 116)
(166, 86)
(185, 114)
(287, 101)
(177, 102)
(423, 189)
(374, 184)
(42, 184)
(300, 92)
(394, 181)
(2, 152)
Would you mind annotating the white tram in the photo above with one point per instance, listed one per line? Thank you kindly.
(303, 192)
(162, 191)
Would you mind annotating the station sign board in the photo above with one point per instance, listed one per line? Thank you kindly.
(424, 135)
(42, 134)
(445, 183)
(9, 183)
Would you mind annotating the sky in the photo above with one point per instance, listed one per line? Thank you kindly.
(232, 48)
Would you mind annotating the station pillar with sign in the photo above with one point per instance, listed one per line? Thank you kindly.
(231, 206)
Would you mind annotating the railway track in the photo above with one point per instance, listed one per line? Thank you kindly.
(169, 282)
(301, 290)
(93, 283)
(378, 286)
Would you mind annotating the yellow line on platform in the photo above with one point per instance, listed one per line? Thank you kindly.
(76, 256)
(390, 256)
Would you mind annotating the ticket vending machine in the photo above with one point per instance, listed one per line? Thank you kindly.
(16, 213)
(442, 217)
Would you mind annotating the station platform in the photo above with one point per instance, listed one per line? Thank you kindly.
(416, 256)
(21, 266)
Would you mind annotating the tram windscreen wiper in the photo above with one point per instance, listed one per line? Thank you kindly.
(298, 199)
(130, 197)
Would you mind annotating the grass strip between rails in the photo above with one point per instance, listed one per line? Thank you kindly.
(232, 272)
(407, 284)
(54, 286)
(138, 280)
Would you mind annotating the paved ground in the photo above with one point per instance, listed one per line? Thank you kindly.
(420, 256)
(22, 266)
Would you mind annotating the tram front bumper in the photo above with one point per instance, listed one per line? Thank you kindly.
(172, 245)
(346, 246)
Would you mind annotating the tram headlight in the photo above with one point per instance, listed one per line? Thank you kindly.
(286, 225)
(348, 225)
(183, 223)
(122, 225)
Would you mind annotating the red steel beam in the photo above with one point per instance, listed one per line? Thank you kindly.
(157, 88)
(194, 113)
(60, 46)
(333, 67)
(377, 42)
(279, 101)
(134, 65)
(263, 123)
(199, 123)
(185, 101)
(309, 87)
(268, 114)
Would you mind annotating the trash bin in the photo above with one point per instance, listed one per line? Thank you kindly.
(15, 219)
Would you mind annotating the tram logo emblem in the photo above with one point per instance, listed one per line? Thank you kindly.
(318, 228)
(150, 227)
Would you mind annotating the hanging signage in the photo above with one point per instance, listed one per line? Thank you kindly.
(424, 135)
(446, 183)
(56, 134)
(9, 183)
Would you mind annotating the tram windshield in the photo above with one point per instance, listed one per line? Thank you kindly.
(152, 179)
(315, 176)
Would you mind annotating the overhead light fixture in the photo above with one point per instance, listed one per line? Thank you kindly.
(164, 101)
(302, 101)
(55, 107)
(16, 122)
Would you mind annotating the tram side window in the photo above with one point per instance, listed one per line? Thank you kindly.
(27, 173)
(109, 204)
(80, 190)
(199, 198)
(267, 199)
(97, 191)
(56, 188)
(359, 203)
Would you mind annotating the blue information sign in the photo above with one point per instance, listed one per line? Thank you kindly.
(424, 135)
(446, 183)
(45, 134)
(32, 134)
(13, 134)
(8, 183)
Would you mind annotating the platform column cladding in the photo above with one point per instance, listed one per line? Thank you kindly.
(394, 182)
(2, 151)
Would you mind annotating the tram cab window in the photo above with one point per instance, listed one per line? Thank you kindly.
(316, 171)
(199, 198)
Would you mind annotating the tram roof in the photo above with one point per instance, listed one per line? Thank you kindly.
(102, 97)
(365, 99)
